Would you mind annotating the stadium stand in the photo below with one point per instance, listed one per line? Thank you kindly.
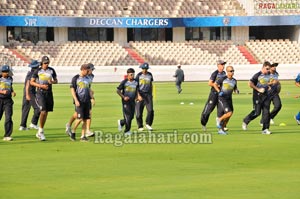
(157, 52)
(189, 53)
(76, 53)
(130, 8)
(276, 7)
(281, 51)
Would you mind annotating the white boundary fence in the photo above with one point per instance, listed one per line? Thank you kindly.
(160, 73)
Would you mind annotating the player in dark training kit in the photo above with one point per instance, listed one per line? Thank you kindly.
(145, 98)
(260, 83)
(128, 91)
(212, 100)
(6, 102)
(225, 86)
(274, 92)
(29, 100)
(42, 79)
(82, 95)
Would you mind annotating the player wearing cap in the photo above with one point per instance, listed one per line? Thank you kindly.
(29, 98)
(212, 100)
(260, 83)
(88, 132)
(274, 92)
(179, 75)
(145, 98)
(82, 95)
(6, 102)
(42, 79)
(225, 86)
(128, 91)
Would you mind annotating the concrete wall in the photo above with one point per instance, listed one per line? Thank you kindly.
(3, 35)
(160, 73)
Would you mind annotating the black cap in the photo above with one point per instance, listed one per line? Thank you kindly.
(92, 67)
(144, 66)
(45, 59)
(221, 62)
(5, 68)
(34, 64)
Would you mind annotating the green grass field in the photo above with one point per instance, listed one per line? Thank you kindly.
(243, 164)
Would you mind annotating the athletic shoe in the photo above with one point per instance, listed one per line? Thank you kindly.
(272, 121)
(298, 121)
(128, 133)
(244, 126)
(204, 128)
(148, 127)
(68, 130)
(41, 136)
(73, 136)
(266, 132)
(179, 91)
(225, 129)
(140, 129)
(221, 132)
(7, 138)
(84, 139)
(90, 134)
(119, 125)
(218, 122)
(33, 126)
(22, 128)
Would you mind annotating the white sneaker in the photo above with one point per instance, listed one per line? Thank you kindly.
(221, 132)
(266, 132)
(7, 138)
(41, 136)
(272, 121)
(140, 129)
(218, 123)
(244, 126)
(89, 134)
(128, 133)
(119, 126)
(22, 128)
(204, 128)
(68, 130)
(148, 127)
(33, 126)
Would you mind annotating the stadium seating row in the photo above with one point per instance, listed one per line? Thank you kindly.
(155, 52)
(114, 8)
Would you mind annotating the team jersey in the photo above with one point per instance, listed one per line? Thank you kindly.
(275, 89)
(129, 88)
(91, 77)
(43, 76)
(227, 86)
(260, 80)
(145, 82)
(215, 76)
(81, 86)
(32, 89)
(6, 84)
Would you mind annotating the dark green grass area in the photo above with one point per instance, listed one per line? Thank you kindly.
(243, 164)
